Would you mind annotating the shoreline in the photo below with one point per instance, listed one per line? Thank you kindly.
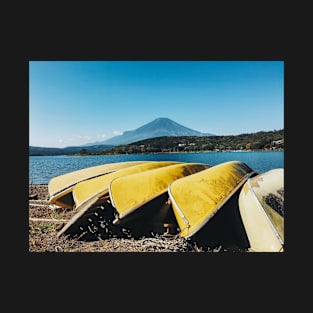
(167, 152)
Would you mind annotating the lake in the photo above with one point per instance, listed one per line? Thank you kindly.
(43, 168)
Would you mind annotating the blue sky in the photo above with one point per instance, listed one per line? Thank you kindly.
(78, 102)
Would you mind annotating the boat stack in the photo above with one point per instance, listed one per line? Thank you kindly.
(228, 203)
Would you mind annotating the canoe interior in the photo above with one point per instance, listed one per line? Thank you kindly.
(96, 222)
(225, 228)
(66, 201)
(156, 216)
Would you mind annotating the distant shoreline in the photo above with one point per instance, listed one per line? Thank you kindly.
(180, 152)
(169, 152)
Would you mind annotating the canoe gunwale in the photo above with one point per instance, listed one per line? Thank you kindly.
(65, 191)
(59, 192)
(70, 187)
(91, 199)
(182, 215)
(264, 213)
(102, 192)
(55, 197)
(206, 220)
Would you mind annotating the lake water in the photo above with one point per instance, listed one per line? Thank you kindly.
(43, 168)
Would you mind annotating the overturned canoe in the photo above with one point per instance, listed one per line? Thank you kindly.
(130, 192)
(88, 193)
(60, 187)
(261, 206)
(197, 198)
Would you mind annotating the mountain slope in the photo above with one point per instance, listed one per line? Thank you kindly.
(157, 128)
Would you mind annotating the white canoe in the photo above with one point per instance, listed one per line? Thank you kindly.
(261, 205)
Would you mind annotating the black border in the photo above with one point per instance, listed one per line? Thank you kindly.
(174, 271)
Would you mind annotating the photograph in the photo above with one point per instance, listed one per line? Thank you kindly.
(156, 156)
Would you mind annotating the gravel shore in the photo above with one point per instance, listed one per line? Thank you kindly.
(46, 220)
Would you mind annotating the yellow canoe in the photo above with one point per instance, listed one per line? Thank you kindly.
(196, 198)
(129, 192)
(94, 191)
(261, 206)
(87, 192)
(60, 187)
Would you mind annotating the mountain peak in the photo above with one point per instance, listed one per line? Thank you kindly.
(162, 119)
(161, 126)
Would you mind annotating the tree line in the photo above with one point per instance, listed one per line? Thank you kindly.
(263, 140)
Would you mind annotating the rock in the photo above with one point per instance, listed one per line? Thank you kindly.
(33, 197)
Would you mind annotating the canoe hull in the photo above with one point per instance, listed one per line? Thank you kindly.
(197, 198)
(60, 187)
(97, 187)
(131, 192)
(89, 193)
(261, 205)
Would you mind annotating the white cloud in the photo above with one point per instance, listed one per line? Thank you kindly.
(101, 136)
(117, 132)
(84, 137)
(74, 140)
